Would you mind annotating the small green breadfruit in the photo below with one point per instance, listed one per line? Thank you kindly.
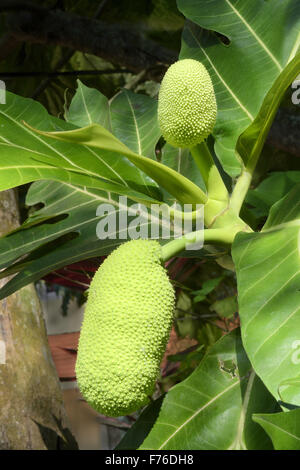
(187, 107)
(125, 330)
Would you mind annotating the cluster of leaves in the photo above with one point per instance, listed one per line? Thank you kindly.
(244, 392)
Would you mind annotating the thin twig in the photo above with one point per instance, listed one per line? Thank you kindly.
(8, 75)
(74, 281)
(15, 5)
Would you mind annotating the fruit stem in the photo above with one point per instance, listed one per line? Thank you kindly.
(214, 183)
(240, 191)
(224, 236)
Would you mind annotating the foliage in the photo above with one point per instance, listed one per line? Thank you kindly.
(238, 389)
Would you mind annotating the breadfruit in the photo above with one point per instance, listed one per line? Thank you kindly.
(187, 107)
(125, 329)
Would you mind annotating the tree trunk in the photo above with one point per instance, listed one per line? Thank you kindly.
(32, 414)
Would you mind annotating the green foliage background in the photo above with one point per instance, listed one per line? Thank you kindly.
(236, 390)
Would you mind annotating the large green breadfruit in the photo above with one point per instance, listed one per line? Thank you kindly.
(125, 329)
(187, 107)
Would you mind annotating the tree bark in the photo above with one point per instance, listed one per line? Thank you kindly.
(32, 414)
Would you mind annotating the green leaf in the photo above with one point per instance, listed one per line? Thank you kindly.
(289, 390)
(88, 105)
(270, 190)
(251, 142)
(207, 287)
(225, 307)
(132, 118)
(97, 136)
(268, 275)
(134, 122)
(139, 430)
(286, 210)
(283, 428)
(27, 156)
(80, 206)
(263, 38)
(63, 232)
(181, 161)
(212, 408)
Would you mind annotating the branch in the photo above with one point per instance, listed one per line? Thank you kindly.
(8, 75)
(17, 5)
(118, 44)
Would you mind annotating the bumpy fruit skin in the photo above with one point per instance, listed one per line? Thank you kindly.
(187, 107)
(125, 329)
